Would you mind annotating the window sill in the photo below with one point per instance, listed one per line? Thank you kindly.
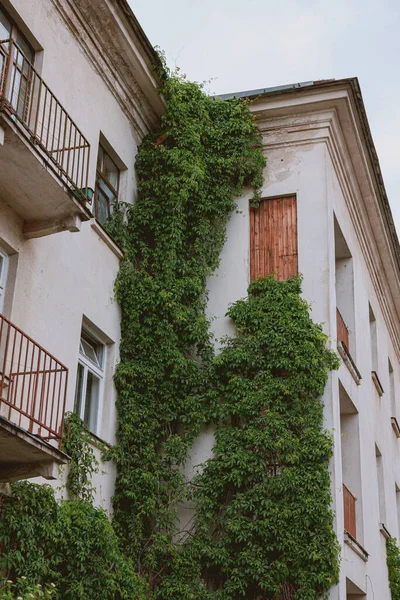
(107, 239)
(98, 443)
(384, 531)
(396, 427)
(349, 362)
(355, 546)
(377, 383)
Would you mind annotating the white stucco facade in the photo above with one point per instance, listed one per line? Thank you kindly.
(59, 284)
(315, 144)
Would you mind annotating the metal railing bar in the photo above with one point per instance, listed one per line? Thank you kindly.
(25, 94)
(31, 418)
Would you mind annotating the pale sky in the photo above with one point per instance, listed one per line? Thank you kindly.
(251, 44)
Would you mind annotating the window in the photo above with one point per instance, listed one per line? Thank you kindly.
(392, 390)
(381, 486)
(373, 339)
(3, 277)
(107, 184)
(89, 381)
(273, 238)
(344, 287)
(374, 352)
(23, 59)
(351, 465)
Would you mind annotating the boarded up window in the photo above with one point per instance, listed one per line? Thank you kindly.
(273, 238)
(349, 502)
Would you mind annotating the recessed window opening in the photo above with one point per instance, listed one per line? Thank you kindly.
(89, 381)
(353, 592)
(344, 284)
(3, 277)
(381, 485)
(351, 466)
(373, 339)
(392, 390)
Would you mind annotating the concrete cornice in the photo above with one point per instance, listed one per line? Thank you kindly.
(331, 115)
(118, 49)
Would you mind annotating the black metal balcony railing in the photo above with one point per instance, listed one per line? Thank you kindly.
(33, 384)
(25, 96)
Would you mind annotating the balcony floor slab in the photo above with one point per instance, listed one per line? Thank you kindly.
(31, 186)
(23, 455)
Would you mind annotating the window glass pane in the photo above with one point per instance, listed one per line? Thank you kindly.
(25, 47)
(105, 201)
(5, 27)
(1, 266)
(79, 390)
(89, 351)
(100, 159)
(112, 172)
(92, 401)
(2, 275)
(102, 208)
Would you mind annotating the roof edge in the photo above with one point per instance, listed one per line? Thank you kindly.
(354, 84)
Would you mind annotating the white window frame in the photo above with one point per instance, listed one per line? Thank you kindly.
(3, 278)
(89, 366)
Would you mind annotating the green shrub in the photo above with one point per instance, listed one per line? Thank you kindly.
(22, 590)
(393, 564)
(68, 543)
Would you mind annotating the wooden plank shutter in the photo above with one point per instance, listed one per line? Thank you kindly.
(273, 238)
(350, 518)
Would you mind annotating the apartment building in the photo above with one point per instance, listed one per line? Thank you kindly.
(325, 214)
(77, 94)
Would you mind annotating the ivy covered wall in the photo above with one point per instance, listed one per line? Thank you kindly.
(262, 525)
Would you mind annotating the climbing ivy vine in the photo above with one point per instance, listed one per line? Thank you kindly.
(189, 173)
(262, 522)
(261, 525)
(82, 464)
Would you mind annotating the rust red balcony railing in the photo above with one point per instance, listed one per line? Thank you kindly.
(33, 384)
(26, 97)
(342, 330)
(349, 502)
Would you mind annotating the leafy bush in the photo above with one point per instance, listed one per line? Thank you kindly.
(22, 590)
(393, 563)
(69, 543)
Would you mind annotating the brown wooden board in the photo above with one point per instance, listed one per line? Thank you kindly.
(273, 238)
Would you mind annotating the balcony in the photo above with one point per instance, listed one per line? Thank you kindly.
(33, 387)
(342, 331)
(44, 157)
(343, 345)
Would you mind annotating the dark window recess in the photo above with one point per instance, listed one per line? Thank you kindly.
(107, 184)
